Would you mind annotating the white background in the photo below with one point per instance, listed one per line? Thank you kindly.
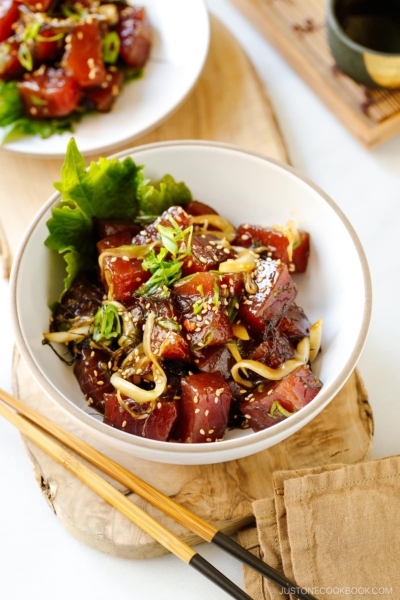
(38, 558)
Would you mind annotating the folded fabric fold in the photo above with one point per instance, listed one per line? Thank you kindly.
(335, 530)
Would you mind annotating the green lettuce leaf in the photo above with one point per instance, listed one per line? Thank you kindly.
(11, 107)
(44, 128)
(154, 199)
(109, 189)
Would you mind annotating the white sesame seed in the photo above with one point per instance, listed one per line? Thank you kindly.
(196, 399)
(197, 410)
(207, 412)
(100, 383)
(124, 424)
(125, 258)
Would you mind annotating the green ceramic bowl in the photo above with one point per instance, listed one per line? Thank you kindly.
(364, 36)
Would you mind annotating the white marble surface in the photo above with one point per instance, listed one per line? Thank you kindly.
(38, 558)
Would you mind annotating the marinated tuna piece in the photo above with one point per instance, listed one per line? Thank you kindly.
(274, 350)
(207, 252)
(215, 358)
(273, 401)
(123, 276)
(46, 52)
(166, 337)
(83, 57)
(135, 34)
(276, 292)
(204, 408)
(8, 14)
(93, 377)
(114, 241)
(10, 67)
(105, 227)
(150, 234)
(204, 317)
(276, 243)
(82, 299)
(103, 97)
(51, 93)
(157, 426)
(294, 324)
(301, 252)
(196, 209)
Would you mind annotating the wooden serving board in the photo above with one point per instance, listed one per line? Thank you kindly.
(297, 29)
(228, 104)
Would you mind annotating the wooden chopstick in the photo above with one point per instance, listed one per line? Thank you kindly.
(129, 509)
(164, 503)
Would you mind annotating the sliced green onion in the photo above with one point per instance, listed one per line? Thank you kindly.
(111, 45)
(31, 31)
(107, 324)
(53, 38)
(25, 57)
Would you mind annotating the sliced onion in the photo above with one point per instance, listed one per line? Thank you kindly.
(315, 339)
(129, 251)
(244, 263)
(290, 231)
(303, 350)
(226, 229)
(249, 284)
(76, 334)
(240, 332)
(284, 369)
(160, 379)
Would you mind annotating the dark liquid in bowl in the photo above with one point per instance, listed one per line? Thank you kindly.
(372, 23)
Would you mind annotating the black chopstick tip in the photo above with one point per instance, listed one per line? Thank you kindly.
(206, 569)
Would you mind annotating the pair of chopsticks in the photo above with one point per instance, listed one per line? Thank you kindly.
(44, 432)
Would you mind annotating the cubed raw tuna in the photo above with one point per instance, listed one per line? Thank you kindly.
(51, 93)
(157, 426)
(123, 276)
(197, 209)
(134, 31)
(293, 392)
(150, 234)
(92, 373)
(204, 319)
(124, 238)
(275, 349)
(10, 67)
(46, 52)
(204, 408)
(102, 97)
(294, 324)
(276, 292)
(8, 16)
(207, 254)
(166, 338)
(83, 57)
(215, 358)
(277, 244)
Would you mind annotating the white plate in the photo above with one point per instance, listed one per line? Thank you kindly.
(181, 36)
(244, 187)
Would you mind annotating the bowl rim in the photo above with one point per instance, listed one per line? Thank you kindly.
(173, 448)
(334, 23)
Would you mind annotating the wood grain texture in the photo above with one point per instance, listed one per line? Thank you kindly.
(297, 29)
(229, 105)
(221, 494)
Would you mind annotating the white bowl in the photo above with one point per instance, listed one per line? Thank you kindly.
(181, 37)
(244, 187)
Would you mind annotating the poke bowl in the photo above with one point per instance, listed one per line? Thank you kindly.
(197, 338)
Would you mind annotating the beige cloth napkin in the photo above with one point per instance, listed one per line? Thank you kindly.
(334, 530)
